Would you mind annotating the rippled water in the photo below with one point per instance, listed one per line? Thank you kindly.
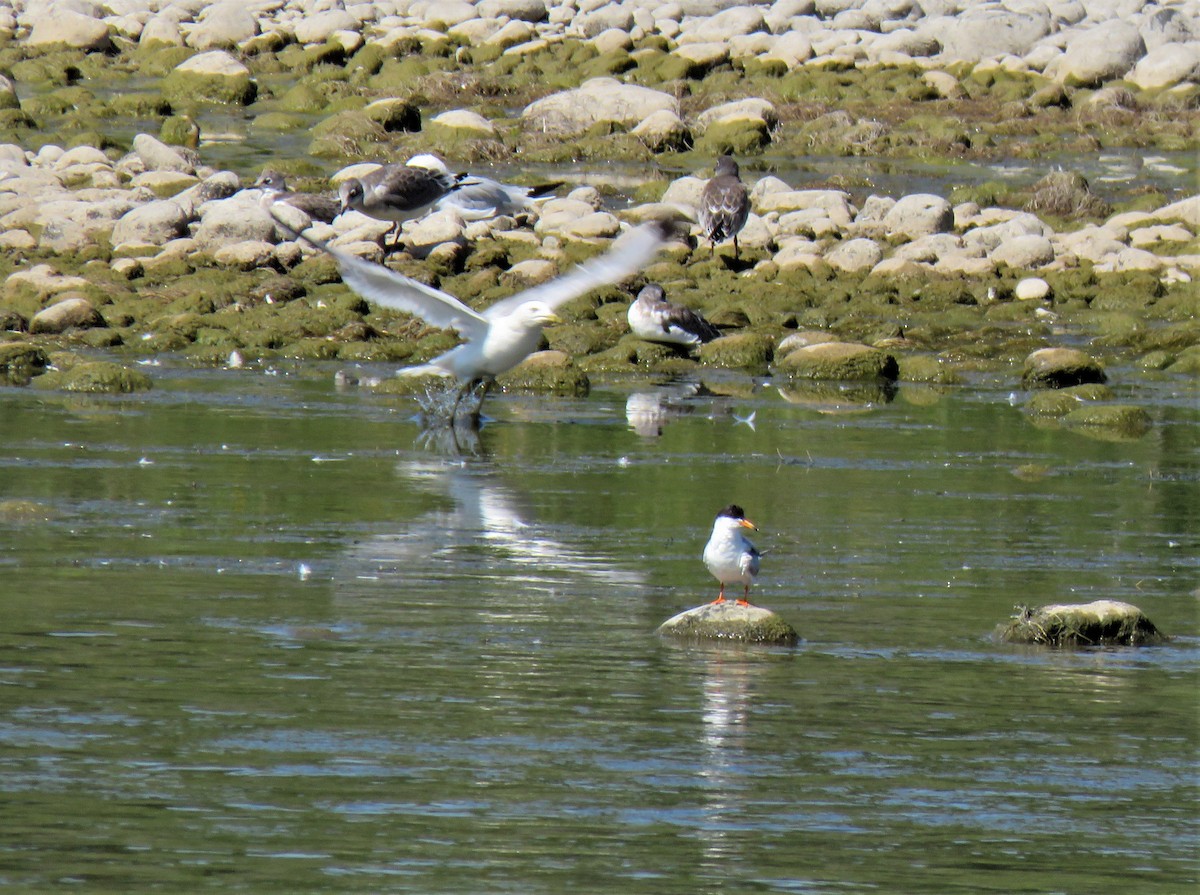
(272, 639)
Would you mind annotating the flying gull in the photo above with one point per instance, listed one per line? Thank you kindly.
(497, 339)
(653, 318)
(724, 205)
(729, 555)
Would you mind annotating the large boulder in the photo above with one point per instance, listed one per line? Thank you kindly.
(73, 312)
(1061, 368)
(215, 77)
(1101, 53)
(987, 31)
(66, 27)
(597, 100)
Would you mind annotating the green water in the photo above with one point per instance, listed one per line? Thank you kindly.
(271, 640)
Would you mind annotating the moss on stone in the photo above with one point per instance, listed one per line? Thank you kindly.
(96, 377)
(1097, 624)
(20, 362)
(731, 622)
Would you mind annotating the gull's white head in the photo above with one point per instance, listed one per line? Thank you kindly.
(425, 160)
(536, 313)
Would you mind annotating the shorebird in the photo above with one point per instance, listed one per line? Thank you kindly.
(497, 339)
(478, 197)
(729, 555)
(315, 205)
(724, 205)
(653, 318)
(397, 193)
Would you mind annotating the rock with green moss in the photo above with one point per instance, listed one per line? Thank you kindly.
(346, 134)
(729, 621)
(840, 361)
(929, 369)
(547, 372)
(20, 362)
(1116, 421)
(1100, 623)
(738, 351)
(1186, 362)
(96, 377)
(1060, 368)
(212, 77)
(24, 512)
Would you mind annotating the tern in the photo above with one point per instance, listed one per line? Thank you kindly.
(729, 555)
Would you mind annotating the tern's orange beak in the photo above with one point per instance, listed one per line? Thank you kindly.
(746, 523)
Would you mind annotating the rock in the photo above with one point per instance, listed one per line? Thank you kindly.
(158, 156)
(730, 622)
(1112, 421)
(663, 131)
(1024, 252)
(464, 123)
(316, 28)
(855, 255)
(155, 223)
(738, 351)
(840, 361)
(1100, 623)
(546, 372)
(1100, 53)
(45, 280)
(214, 76)
(919, 214)
(977, 33)
(20, 362)
(523, 10)
(1032, 289)
(1166, 66)
(74, 312)
(251, 254)
(1060, 368)
(66, 27)
(596, 100)
(227, 221)
(97, 377)
(435, 229)
(223, 25)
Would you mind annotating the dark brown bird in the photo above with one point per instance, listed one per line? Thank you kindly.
(724, 204)
(315, 205)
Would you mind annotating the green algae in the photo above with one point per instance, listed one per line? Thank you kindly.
(96, 377)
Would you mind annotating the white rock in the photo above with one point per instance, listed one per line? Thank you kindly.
(318, 28)
(1167, 65)
(919, 214)
(73, 29)
(1106, 51)
(154, 223)
(596, 100)
(1032, 289)
(855, 255)
(226, 221)
(1024, 252)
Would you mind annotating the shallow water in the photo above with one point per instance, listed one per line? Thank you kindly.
(272, 639)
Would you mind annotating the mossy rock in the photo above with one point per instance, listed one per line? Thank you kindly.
(180, 130)
(346, 134)
(738, 351)
(184, 88)
(1101, 623)
(729, 621)
(20, 362)
(1120, 421)
(546, 372)
(24, 512)
(739, 136)
(1187, 362)
(1060, 402)
(96, 377)
(840, 361)
(1060, 368)
(928, 368)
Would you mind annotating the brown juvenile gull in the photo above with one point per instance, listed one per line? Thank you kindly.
(724, 205)
(496, 339)
(397, 193)
(653, 318)
(729, 555)
(315, 205)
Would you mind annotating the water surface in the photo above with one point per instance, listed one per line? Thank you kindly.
(271, 639)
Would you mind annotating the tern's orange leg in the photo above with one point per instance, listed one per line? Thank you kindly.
(721, 596)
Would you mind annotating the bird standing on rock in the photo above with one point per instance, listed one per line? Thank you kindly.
(315, 205)
(397, 193)
(653, 318)
(477, 197)
(729, 555)
(724, 205)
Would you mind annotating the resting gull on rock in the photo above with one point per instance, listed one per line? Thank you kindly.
(653, 318)
(478, 197)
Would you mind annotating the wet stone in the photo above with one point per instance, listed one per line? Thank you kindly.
(729, 621)
(1100, 623)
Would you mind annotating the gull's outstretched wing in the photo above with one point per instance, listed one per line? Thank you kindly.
(383, 286)
(628, 255)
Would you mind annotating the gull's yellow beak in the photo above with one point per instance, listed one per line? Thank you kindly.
(553, 318)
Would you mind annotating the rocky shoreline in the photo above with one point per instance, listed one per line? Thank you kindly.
(144, 248)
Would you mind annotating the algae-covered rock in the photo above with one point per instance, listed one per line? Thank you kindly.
(214, 77)
(840, 360)
(1118, 421)
(20, 362)
(70, 312)
(96, 377)
(23, 512)
(547, 372)
(1100, 623)
(1060, 368)
(740, 350)
(733, 622)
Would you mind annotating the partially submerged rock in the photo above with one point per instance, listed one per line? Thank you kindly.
(730, 621)
(1100, 623)
(96, 377)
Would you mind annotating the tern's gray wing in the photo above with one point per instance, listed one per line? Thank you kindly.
(384, 286)
(627, 256)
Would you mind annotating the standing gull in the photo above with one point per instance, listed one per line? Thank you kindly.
(315, 205)
(729, 555)
(478, 197)
(724, 205)
(503, 335)
(397, 193)
(653, 318)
